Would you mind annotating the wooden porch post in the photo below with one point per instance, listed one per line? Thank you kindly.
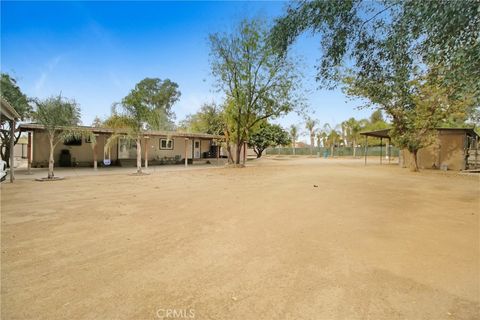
(218, 155)
(366, 148)
(12, 153)
(186, 150)
(29, 152)
(381, 143)
(95, 156)
(146, 152)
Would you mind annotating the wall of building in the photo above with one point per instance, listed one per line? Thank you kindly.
(448, 150)
(83, 155)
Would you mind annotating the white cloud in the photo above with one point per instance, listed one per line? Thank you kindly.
(49, 67)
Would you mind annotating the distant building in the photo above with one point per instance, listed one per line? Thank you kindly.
(160, 147)
(453, 149)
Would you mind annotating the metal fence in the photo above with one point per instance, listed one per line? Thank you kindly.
(337, 152)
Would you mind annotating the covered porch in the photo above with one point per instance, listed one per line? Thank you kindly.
(8, 114)
(383, 135)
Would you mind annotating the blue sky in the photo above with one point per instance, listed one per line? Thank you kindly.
(95, 52)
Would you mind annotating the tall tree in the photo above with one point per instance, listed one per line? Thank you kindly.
(58, 116)
(378, 49)
(147, 106)
(258, 83)
(158, 97)
(353, 128)
(209, 119)
(433, 105)
(97, 122)
(434, 33)
(310, 126)
(267, 135)
(11, 92)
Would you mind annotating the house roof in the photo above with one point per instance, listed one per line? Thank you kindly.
(385, 133)
(7, 110)
(173, 134)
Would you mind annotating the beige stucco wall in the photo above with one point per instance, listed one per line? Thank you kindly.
(155, 153)
(447, 150)
(82, 154)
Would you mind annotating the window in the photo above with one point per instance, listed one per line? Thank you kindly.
(73, 141)
(197, 144)
(166, 144)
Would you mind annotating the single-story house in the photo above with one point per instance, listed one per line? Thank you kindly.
(453, 149)
(159, 147)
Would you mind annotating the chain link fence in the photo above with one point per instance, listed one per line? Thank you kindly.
(337, 152)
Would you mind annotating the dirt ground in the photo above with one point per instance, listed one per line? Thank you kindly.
(280, 239)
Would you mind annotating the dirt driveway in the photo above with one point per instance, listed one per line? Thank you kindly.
(292, 239)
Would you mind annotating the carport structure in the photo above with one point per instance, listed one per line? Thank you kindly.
(7, 113)
(382, 134)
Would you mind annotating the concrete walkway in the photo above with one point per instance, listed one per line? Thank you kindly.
(22, 173)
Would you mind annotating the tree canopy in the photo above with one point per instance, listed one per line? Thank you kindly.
(390, 52)
(55, 112)
(209, 119)
(258, 83)
(268, 135)
(11, 92)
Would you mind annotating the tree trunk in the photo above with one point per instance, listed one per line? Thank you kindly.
(5, 147)
(229, 153)
(415, 160)
(238, 152)
(293, 146)
(139, 155)
(95, 156)
(354, 148)
(258, 152)
(51, 160)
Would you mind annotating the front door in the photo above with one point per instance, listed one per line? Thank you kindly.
(127, 149)
(196, 149)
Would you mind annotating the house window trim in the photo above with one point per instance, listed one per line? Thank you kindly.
(167, 148)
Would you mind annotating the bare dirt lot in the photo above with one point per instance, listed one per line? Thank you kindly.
(255, 243)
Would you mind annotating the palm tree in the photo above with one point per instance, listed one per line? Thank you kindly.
(59, 117)
(319, 139)
(293, 136)
(353, 128)
(310, 126)
(129, 125)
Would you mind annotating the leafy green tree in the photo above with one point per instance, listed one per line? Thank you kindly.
(11, 92)
(380, 51)
(431, 33)
(258, 83)
(147, 106)
(293, 136)
(353, 129)
(333, 140)
(97, 122)
(209, 119)
(58, 116)
(267, 135)
(376, 116)
(433, 105)
(158, 97)
(310, 126)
